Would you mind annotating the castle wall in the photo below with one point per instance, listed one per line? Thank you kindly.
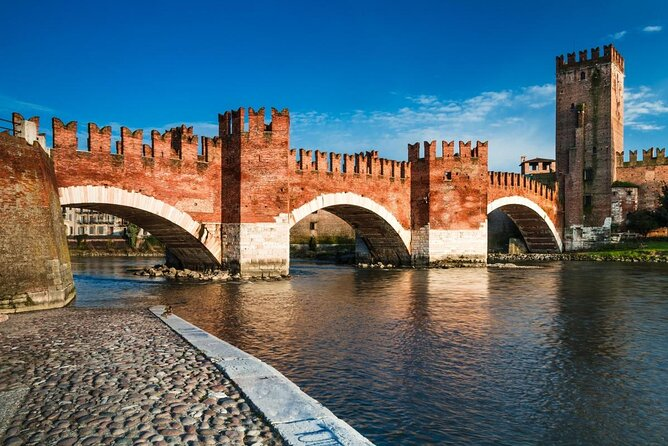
(35, 268)
(650, 174)
(387, 182)
(624, 201)
(168, 168)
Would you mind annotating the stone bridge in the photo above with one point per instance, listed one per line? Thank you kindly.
(232, 199)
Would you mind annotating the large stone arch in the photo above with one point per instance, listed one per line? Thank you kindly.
(387, 240)
(188, 240)
(539, 232)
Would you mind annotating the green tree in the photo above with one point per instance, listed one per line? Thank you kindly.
(131, 233)
(644, 221)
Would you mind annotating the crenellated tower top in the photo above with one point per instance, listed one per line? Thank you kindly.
(236, 122)
(610, 54)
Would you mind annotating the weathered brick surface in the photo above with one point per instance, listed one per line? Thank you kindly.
(449, 190)
(248, 175)
(589, 131)
(507, 184)
(362, 174)
(650, 174)
(169, 169)
(35, 267)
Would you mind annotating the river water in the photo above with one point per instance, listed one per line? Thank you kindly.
(567, 353)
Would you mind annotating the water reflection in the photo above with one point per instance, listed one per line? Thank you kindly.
(569, 353)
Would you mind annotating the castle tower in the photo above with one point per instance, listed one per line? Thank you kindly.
(589, 132)
(256, 232)
(448, 202)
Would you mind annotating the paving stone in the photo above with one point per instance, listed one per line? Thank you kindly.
(113, 376)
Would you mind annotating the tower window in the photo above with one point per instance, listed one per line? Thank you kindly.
(588, 174)
(583, 75)
(587, 201)
(594, 150)
(312, 226)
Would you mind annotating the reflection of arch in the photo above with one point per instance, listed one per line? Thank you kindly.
(386, 239)
(187, 239)
(536, 227)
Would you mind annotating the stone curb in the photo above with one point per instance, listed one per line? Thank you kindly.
(298, 418)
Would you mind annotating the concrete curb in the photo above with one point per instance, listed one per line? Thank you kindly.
(297, 417)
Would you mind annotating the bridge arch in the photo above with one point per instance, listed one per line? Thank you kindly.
(189, 241)
(539, 232)
(387, 240)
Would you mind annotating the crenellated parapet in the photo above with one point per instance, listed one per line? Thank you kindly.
(178, 143)
(28, 129)
(516, 183)
(237, 123)
(364, 163)
(610, 54)
(653, 156)
(465, 152)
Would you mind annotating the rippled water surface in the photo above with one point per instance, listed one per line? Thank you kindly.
(569, 353)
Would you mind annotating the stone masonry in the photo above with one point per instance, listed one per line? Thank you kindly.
(36, 272)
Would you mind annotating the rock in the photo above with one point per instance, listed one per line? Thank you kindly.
(3, 317)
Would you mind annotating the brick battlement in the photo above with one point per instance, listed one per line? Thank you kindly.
(650, 157)
(177, 143)
(610, 54)
(348, 164)
(234, 122)
(465, 151)
(511, 180)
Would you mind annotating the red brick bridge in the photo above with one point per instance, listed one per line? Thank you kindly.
(233, 198)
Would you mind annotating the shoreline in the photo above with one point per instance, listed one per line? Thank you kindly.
(130, 376)
(577, 257)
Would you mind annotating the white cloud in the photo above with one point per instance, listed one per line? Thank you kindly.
(640, 106)
(9, 104)
(514, 121)
(619, 35)
(652, 29)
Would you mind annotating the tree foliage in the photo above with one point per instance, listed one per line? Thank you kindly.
(645, 221)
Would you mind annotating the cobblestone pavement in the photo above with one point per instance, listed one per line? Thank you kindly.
(116, 377)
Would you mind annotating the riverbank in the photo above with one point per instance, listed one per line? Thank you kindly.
(645, 254)
(82, 376)
(114, 253)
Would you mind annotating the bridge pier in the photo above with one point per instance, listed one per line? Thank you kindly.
(434, 246)
(257, 249)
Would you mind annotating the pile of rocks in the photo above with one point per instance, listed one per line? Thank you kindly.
(186, 274)
(380, 265)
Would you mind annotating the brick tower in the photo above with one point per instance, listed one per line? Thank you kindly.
(589, 131)
(256, 232)
(448, 202)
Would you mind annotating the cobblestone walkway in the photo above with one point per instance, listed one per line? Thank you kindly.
(115, 377)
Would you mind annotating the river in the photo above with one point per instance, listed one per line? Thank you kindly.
(566, 353)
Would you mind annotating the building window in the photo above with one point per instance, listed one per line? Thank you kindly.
(583, 75)
(587, 201)
(588, 174)
(312, 226)
(447, 176)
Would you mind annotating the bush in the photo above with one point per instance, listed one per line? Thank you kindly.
(642, 221)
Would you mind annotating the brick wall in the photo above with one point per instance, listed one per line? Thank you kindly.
(169, 168)
(35, 269)
(650, 174)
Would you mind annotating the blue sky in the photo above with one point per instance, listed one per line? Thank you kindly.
(356, 75)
